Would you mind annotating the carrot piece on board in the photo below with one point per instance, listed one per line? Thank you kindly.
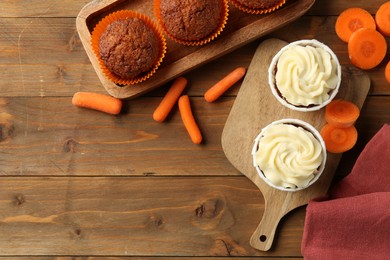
(96, 101)
(189, 120)
(224, 84)
(352, 19)
(341, 113)
(382, 18)
(339, 140)
(169, 100)
(366, 48)
(387, 72)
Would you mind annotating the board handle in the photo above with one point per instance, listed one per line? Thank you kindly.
(264, 234)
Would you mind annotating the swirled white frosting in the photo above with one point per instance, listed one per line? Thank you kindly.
(305, 75)
(289, 156)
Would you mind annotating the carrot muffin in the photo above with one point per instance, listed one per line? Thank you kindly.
(289, 154)
(192, 22)
(258, 6)
(305, 75)
(128, 46)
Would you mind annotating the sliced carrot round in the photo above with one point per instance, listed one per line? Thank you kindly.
(387, 72)
(366, 48)
(352, 19)
(382, 19)
(339, 140)
(341, 113)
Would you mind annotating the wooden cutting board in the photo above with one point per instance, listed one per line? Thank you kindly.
(241, 29)
(254, 108)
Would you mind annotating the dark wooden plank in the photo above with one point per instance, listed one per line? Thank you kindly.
(39, 8)
(48, 136)
(29, 41)
(180, 216)
(28, 70)
(334, 7)
(70, 8)
(140, 258)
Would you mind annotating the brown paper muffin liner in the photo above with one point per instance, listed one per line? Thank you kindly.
(199, 42)
(250, 10)
(123, 14)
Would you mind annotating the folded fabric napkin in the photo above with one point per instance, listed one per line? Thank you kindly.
(353, 221)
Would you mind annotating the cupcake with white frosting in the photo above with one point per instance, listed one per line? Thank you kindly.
(305, 75)
(289, 154)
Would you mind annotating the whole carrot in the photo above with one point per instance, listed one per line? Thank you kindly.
(224, 84)
(96, 101)
(189, 120)
(169, 100)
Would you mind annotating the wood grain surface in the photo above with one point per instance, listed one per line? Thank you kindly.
(80, 184)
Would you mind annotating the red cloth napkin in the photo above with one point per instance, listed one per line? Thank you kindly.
(353, 222)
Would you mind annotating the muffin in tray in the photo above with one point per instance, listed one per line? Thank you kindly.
(258, 6)
(289, 154)
(129, 46)
(191, 22)
(305, 75)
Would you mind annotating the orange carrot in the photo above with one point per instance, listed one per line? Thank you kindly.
(188, 119)
(224, 84)
(341, 113)
(382, 18)
(387, 72)
(96, 101)
(339, 140)
(366, 48)
(352, 19)
(169, 100)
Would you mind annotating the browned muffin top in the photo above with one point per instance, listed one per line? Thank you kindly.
(191, 19)
(129, 47)
(259, 4)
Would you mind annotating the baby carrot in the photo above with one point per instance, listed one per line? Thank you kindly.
(96, 101)
(382, 18)
(224, 84)
(339, 140)
(352, 19)
(366, 48)
(188, 119)
(169, 100)
(341, 113)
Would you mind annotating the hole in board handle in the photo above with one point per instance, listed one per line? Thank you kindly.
(263, 238)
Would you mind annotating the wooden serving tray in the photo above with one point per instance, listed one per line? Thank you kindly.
(241, 28)
(254, 108)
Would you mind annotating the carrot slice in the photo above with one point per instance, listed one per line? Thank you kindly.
(189, 120)
(169, 100)
(341, 113)
(224, 84)
(339, 140)
(96, 101)
(352, 19)
(382, 19)
(366, 48)
(387, 72)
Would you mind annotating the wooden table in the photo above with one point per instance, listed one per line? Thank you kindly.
(76, 182)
